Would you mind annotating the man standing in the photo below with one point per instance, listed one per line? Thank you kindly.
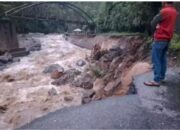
(163, 24)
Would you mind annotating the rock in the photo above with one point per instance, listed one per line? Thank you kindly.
(86, 100)
(84, 81)
(67, 77)
(132, 89)
(56, 74)
(88, 94)
(114, 64)
(52, 68)
(6, 58)
(118, 70)
(19, 52)
(108, 77)
(111, 87)
(8, 78)
(35, 47)
(100, 94)
(97, 53)
(68, 98)
(111, 54)
(52, 92)
(16, 59)
(3, 109)
(98, 84)
(44, 109)
(80, 63)
(114, 48)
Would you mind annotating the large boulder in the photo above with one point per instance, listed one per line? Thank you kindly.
(3, 108)
(98, 85)
(52, 68)
(84, 81)
(111, 54)
(67, 77)
(35, 47)
(87, 96)
(56, 74)
(68, 98)
(115, 63)
(52, 92)
(112, 86)
(97, 53)
(80, 63)
(7, 57)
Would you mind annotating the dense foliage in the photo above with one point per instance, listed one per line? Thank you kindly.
(126, 16)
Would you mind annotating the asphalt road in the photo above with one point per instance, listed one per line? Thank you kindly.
(150, 108)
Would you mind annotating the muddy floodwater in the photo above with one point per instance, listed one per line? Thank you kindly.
(24, 87)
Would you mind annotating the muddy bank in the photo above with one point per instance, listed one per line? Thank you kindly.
(105, 41)
(114, 61)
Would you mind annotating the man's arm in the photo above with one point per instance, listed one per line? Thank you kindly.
(157, 19)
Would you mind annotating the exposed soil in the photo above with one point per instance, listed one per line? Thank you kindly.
(104, 41)
(114, 61)
(136, 69)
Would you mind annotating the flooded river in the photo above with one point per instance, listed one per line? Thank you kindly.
(24, 87)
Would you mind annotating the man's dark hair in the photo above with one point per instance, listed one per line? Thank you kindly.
(170, 3)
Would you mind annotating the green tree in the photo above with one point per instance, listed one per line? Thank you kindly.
(126, 16)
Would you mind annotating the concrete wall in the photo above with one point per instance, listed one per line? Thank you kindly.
(8, 36)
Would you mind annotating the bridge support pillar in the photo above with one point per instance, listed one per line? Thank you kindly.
(8, 36)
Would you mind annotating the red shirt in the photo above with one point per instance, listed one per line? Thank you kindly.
(165, 29)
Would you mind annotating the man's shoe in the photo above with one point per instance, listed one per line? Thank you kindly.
(152, 84)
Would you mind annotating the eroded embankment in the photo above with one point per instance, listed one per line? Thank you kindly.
(114, 61)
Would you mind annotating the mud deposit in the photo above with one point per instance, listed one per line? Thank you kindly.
(24, 87)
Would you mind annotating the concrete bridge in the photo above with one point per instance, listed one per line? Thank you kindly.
(62, 12)
(56, 11)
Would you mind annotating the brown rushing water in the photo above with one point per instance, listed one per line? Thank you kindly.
(26, 98)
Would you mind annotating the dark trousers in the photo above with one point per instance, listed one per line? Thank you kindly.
(159, 59)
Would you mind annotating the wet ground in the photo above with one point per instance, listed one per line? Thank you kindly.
(150, 108)
(24, 87)
(164, 99)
